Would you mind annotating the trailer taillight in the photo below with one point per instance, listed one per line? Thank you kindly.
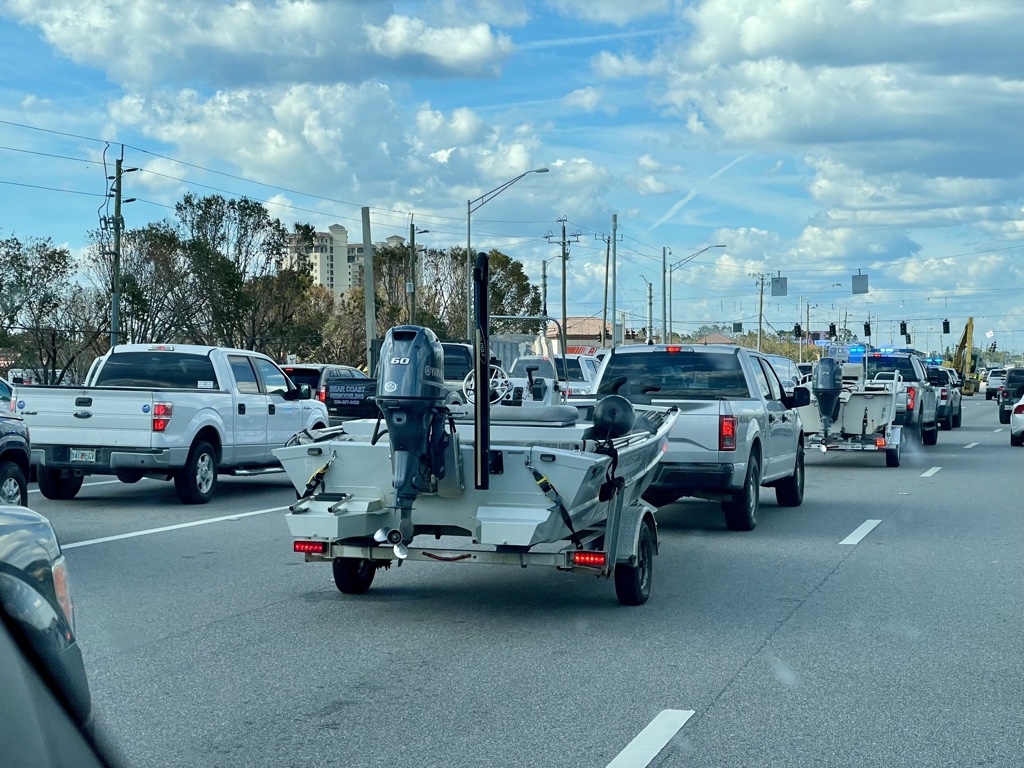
(589, 559)
(727, 433)
(315, 547)
(162, 416)
(911, 398)
(879, 442)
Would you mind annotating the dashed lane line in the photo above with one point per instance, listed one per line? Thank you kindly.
(860, 532)
(652, 739)
(930, 472)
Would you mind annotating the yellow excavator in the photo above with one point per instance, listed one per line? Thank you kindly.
(963, 359)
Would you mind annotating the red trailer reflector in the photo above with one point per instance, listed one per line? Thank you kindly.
(315, 547)
(589, 559)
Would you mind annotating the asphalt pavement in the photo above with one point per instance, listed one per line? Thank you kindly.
(879, 624)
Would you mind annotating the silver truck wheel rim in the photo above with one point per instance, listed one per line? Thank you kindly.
(10, 491)
(204, 473)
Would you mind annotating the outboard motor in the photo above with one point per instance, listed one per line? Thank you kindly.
(827, 384)
(411, 395)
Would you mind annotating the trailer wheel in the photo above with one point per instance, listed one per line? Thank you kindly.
(353, 575)
(60, 484)
(892, 457)
(741, 509)
(633, 583)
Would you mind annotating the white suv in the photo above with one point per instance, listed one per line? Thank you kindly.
(993, 382)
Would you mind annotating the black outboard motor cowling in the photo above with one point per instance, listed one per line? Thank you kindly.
(411, 395)
(827, 384)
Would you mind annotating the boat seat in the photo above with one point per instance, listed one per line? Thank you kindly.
(545, 415)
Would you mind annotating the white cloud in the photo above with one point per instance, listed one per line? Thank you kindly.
(471, 50)
(647, 163)
(611, 66)
(589, 99)
(648, 184)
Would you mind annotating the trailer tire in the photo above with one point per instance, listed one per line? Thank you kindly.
(789, 492)
(353, 575)
(892, 457)
(633, 583)
(13, 485)
(54, 485)
(741, 510)
(197, 480)
(930, 436)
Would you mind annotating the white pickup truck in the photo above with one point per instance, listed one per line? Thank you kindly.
(168, 411)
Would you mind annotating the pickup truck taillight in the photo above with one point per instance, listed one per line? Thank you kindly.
(161, 416)
(911, 398)
(727, 433)
(321, 394)
(945, 394)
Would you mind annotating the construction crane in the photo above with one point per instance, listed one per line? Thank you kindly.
(964, 360)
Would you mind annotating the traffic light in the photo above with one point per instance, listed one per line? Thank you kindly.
(867, 330)
(907, 337)
(903, 327)
(992, 347)
(832, 330)
(945, 326)
(798, 331)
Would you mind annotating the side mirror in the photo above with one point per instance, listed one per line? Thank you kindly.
(305, 392)
(801, 396)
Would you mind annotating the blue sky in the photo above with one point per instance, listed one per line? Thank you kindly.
(814, 138)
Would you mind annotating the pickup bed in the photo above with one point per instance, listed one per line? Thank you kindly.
(737, 429)
(180, 412)
(917, 400)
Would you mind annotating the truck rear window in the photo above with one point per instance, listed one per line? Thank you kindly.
(546, 368)
(157, 370)
(674, 374)
(886, 364)
(310, 376)
(457, 363)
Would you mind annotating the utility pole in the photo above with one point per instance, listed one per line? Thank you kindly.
(760, 307)
(544, 287)
(565, 258)
(665, 253)
(615, 236)
(118, 226)
(650, 311)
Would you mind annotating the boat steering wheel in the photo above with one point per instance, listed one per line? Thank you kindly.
(499, 384)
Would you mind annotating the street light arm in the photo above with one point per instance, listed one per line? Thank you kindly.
(474, 205)
(695, 255)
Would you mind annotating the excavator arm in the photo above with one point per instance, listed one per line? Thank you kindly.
(962, 360)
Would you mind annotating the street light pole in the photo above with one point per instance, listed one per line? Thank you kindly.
(411, 286)
(671, 269)
(665, 253)
(471, 206)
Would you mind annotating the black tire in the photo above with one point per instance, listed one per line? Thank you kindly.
(988, 395)
(892, 457)
(353, 575)
(741, 509)
(59, 484)
(659, 497)
(1017, 440)
(930, 436)
(946, 423)
(1004, 416)
(129, 476)
(958, 418)
(13, 485)
(197, 480)
(633, 583)
(789, 492)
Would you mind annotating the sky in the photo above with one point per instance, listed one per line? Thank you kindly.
(815, 139)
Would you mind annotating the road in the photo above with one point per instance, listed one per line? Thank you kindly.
(801, 643)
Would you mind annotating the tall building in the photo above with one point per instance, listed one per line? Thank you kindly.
(334, 263)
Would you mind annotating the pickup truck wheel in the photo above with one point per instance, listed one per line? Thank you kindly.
(633, 583)
(196, 481)
(958, 417)
(930, 435)
(353, 575)
(1004, 416)
(13, 486)
(789, 492)
(946, 423)
(741, 509)
(59, 484)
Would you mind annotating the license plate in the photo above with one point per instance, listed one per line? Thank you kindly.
(83, 454)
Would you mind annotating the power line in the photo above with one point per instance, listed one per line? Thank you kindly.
(51, 189)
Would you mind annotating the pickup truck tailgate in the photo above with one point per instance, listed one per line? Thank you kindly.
(66, 416)
(694, 437)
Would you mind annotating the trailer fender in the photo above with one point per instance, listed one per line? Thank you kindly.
(629, 532)
(895, 435)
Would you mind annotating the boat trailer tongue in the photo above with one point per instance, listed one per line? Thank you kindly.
(411, 394)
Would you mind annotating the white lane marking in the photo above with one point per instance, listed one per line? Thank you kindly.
(970, 445)
(930, 472)
(861, 531)
(162, 529)
(998, 430)
(84, 485)
(652, 739)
